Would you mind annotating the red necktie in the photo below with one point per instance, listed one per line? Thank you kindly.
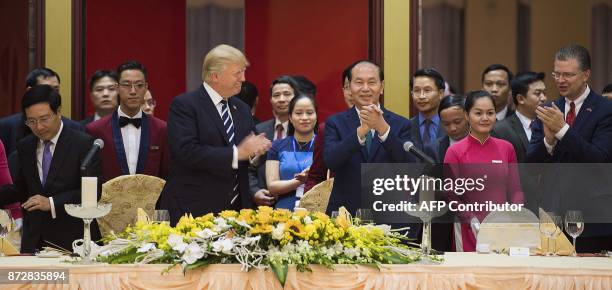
(279, 132)
(571, 115)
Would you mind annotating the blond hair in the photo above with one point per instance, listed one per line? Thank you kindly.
(220, 56)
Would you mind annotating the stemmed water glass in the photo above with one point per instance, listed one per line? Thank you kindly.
(574, 225)
(550, 227)
(161, 216)
(6, 226)
(365, 216)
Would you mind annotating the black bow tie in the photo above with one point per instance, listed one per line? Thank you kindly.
(123, 121)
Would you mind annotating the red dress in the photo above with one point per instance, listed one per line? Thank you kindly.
(5, 178)
(495, 162)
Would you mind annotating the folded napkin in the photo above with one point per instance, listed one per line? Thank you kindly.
(7, 248)
(561, 245)
(142, 216)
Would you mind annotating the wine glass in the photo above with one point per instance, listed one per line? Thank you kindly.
(574, 225)
(365, 216)
(6, 226)
(161, 216)
(335, 214)
(548, 228)
(558, 221)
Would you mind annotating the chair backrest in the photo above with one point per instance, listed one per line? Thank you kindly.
(317, 198)
(127, 193)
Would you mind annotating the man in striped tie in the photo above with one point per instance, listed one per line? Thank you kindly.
(211, 140)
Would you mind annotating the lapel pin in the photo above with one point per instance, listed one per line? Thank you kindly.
(234, 107)
(589, 109)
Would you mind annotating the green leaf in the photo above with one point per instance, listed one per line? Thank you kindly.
(280, 270)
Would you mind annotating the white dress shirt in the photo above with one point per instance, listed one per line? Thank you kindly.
(216, 99)
(39, 157)
(502, 114)
(578, 103)
(131, 141)
(526, 122)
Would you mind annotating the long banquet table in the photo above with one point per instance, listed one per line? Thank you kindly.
(458, 271)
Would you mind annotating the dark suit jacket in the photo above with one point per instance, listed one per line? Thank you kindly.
(201, 178)
(588, 140)
(257, 171)
(63, 184)
(511, 130)
(437, 150)
(154, 154)
(344, 155)
(12, 129)
(415, 133)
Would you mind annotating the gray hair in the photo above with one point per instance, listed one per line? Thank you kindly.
(577, 52)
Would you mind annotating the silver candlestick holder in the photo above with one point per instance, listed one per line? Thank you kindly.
(87, 214)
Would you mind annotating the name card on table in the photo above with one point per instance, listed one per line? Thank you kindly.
(519, 252)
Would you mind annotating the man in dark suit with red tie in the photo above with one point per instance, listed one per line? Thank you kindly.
(135, 143)
(576, 129)
(211, 141)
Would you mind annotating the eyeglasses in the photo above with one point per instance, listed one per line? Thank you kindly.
(42, 120)
(426, 92)
(151, 102)
(565, 75)
(136, 86)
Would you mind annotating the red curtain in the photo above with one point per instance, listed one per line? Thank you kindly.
(315, 38)
(149, 31)
(13, 55)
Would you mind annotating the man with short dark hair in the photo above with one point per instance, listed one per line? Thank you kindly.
(576, 129)
(528, 92)
(49, 175)
(12, 128)
(135, 143)
(427, 89)
(496, 80)
(103, 90)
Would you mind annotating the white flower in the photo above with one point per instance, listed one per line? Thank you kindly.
(221, 225)
(250, 240)
(146, 247)
(279, 231)
(307, 220)
(223, 245)
(206, 234)
(242, 223)
(352, 252)
(303, 246)
(385, 228)
(176, 242)
(193, 252)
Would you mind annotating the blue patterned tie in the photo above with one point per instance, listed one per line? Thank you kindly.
(46, 161)
(229, 130)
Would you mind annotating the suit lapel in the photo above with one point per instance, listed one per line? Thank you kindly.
(353, 123)
(118, 142)
(62, 149)
(31, 163)
(145, 136)
(585, 110)
(517, 126)
(213, 113)
(416, 132)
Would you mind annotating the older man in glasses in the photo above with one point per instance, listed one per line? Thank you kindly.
(49, 175)
(135, 143)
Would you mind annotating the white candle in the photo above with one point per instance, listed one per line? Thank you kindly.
(89, 192)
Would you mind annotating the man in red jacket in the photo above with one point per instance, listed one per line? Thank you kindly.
(134, 142)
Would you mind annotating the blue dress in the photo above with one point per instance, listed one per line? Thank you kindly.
(292, 160)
